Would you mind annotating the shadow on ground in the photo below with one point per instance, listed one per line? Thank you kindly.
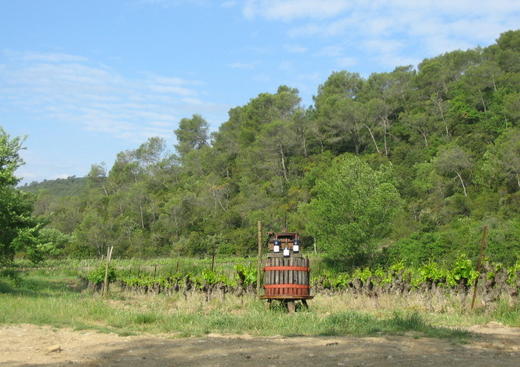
(20, 285)
(298, 351)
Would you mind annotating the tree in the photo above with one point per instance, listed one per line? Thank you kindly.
(10, 159)
(352, 209)
(420, 122)
(509, 154)
(501, 163)
(192, 134)
(512, 108)
(454, 161)
(443, 127)
(15, 206)
(339, 114)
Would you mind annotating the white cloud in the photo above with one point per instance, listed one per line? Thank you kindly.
(384, 45)
(172, 89)
(484, 19)
(393, 28)
(328, 29)
(346, 62)
(292, 9)
(192, 101)
(172, 3)
(72, 89)
(52, 57)
(296, 49)
(229, 4)
(286, 66)
(262, 78)
(242, 65)
(331, 51)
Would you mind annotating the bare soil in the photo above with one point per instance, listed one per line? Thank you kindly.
(29, 345)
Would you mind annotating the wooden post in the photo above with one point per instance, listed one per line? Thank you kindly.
(213, 259)
(483, 245)
(105, 283)
(259, 267)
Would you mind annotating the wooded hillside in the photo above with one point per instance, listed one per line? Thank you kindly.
(405, 165)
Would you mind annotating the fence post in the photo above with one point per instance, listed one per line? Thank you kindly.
(259, 266)
(105, 283)
(483, 245)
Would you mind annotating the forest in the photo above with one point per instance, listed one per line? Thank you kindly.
(403, 166)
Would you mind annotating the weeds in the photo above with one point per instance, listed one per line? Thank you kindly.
(54, 298)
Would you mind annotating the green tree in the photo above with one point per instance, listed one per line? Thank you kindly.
(446, 129)
(339, 114)
(454, 161)
(192, 134)
(509, 155)
(501, 163)
(15, 206)
(352, 209)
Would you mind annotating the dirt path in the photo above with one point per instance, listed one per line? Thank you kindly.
(28, 345)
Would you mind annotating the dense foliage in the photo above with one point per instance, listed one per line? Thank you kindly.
(352, 209)
(404, 165)
(19, 230)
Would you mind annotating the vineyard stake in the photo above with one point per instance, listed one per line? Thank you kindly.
(259, 265)
(105, 283)
(213, 259)
(483, 245)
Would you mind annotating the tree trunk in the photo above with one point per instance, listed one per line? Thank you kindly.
(217, 200)
(483, 103)
(384, 136)
(438, 102)
(284, 169)
(357, 144)
(424, 137)
(373, 139)
(462, 183)
(142, 215)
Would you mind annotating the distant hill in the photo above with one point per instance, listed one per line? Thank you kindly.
(61, 187)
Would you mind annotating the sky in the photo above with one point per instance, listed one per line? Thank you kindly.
(84, 80)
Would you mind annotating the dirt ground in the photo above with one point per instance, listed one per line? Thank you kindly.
(29, 345)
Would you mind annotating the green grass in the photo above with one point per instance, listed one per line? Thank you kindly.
(45, 297)
(46, 300)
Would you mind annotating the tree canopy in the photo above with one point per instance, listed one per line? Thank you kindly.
(16, 221)
(353, 208)
(440, 142)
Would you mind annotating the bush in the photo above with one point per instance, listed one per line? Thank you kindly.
(97, 276)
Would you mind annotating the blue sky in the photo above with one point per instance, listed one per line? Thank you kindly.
(85, 80)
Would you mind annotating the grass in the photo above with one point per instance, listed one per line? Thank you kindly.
(46, 297)
(46, 300)
(159, 265)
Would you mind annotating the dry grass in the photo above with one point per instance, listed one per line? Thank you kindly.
(46, 300)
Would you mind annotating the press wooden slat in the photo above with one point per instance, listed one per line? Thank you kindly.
(286, 277)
